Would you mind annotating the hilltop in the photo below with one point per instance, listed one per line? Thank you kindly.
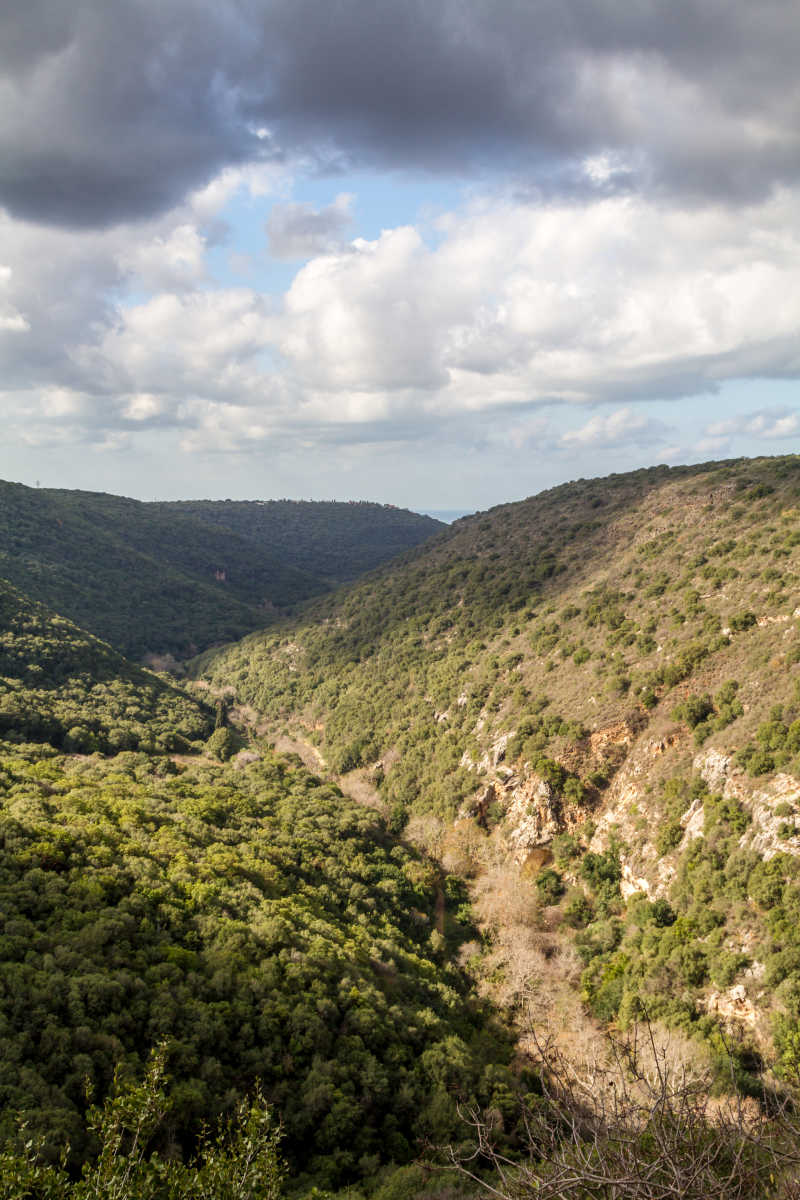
(602, 681)
(333, 540)
(158, 579)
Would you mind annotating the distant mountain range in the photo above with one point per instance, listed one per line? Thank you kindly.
(163, 578)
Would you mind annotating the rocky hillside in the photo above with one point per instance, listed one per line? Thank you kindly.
(603, 679)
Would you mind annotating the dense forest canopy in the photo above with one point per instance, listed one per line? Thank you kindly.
(254, 921)
(175, 578)
(229, 911)
(333, 540)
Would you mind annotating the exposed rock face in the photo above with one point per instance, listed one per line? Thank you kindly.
(493, 756)
(714, 767)
(693, 820)
(764, 834)
(630, 884)
(733, 1006)
(603, 740)
(535, 815)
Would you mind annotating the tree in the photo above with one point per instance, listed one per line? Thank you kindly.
(635, 1128)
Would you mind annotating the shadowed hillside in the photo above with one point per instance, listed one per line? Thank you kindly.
(332, 540)
(604, 680)
(61, 686)
(166, 578)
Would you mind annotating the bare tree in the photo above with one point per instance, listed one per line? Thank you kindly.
(635, 1128)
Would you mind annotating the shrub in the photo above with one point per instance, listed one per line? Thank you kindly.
(223, 743)
(669, 836)
(578, 910)
(550, 886)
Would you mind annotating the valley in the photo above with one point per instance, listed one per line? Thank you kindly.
(173, 578)
(444, 822)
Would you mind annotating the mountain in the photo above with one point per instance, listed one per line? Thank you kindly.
(329, 539)
(570, 733)
(173, 578)
(602, 683)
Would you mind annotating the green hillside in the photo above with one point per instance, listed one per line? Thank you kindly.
(334, 540)
(259, 924)
(604, 682)
(164, 578)
(61, 686)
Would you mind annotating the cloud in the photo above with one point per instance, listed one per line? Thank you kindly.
(112, 111)
(301, 231)
(768, 424)
(510, 311)
(620, 428)
(611, 301)
(11, 320)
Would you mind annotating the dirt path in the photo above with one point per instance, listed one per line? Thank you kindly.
(355, 784)
(310, 755)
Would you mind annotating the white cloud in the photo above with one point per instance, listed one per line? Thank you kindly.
(372, 319)
(770, 424)
(614, 300)
(11, 320)
(619, 428)
(143, 407)
(170, 261)
(514, 308)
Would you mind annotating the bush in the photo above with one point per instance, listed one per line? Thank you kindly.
(578, 910)
(639, 1128)
(669, 836)
(223, 743)
(550, 886)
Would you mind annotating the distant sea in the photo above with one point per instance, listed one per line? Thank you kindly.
(448, 515)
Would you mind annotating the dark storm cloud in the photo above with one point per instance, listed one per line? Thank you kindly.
(112, 109)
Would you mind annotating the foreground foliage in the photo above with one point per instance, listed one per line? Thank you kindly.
(253, 920)
(240, 1161)
(633, 1127)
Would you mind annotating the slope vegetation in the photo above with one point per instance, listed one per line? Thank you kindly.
(243, 917)
(604, 679)
(172, 578)
(60, 685)
(334, 540)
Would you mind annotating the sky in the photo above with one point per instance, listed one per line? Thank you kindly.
(436, 253)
